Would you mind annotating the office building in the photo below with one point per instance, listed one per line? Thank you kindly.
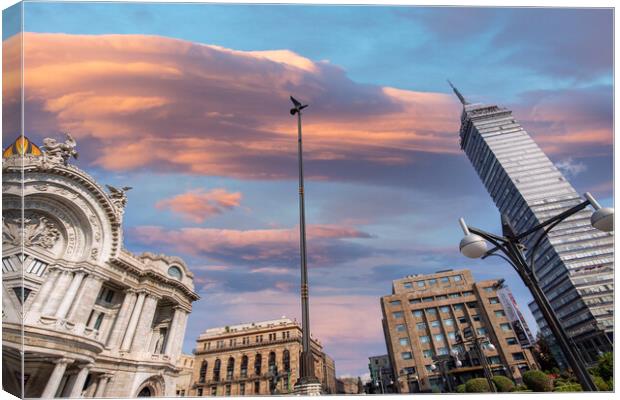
(381, 376)
(574, 263)
(424, 320)
(255, 359)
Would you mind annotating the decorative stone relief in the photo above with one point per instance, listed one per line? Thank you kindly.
(56, 153)
(119, 196)
(34, 229)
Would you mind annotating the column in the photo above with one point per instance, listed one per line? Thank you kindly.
(44, 292)
(85, 299)
(57, 292)
(69, 296)
(178, 344)
(133, 322)
(78, 384)
(54, 380)
(101, 385)
(172, 330)
(144, 328)
(121, 319)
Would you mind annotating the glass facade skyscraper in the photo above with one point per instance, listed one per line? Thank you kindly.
(574, 263)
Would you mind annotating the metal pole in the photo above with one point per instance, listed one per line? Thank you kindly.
(307, 361)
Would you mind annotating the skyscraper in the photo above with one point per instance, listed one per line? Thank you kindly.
(574, 263)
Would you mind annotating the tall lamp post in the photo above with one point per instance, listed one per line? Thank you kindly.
(307, 382)
(474, 245)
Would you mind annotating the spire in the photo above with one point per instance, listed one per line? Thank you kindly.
(458, 94)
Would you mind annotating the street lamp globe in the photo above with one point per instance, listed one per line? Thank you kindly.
(433, 367)
(473, 246)
(458, 363)
(491, 347)
(603, 219)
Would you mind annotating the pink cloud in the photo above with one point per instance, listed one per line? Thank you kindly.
(198, 205)
(259, 247)
(155, 102)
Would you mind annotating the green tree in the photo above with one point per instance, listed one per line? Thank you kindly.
(569, 387)
(543, 354)
(538, 381)
(477, 385)
(503, 384)
(600, 383)
(605, 366)
(461, 388)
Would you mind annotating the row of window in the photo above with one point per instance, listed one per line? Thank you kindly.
(14, 263)
(258, 361)
(429, 353)
(220, 344)
(433, 281)
(227, 389)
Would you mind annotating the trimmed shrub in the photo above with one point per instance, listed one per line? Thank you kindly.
(503, 384)
(520, 388)
(569, 387)
(477, 385)
(461, 388)
(600, 383)
(537, 381)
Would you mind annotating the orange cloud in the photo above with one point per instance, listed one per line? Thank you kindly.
(155, 102)
(198, 205)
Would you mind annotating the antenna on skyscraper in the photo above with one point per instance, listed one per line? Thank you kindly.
(457, 93)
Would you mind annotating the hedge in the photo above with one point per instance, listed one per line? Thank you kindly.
(461, 388)
(477, 385)
(503, 384)
(537, 381)
(569, 387)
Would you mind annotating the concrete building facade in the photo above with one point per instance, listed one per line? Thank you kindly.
(85, 316)
(575, 263)
(381, 374)
(255, 359)
(423, 318)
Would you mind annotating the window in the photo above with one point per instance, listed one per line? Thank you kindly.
(505, 327)
(420, 326)
(258, 361)
(458, 278)
(406, 355)
(488, 289)
(427, 353)
(442, 351)
(421, 284)
(245, 340)
(286, 360)
(427, 299)
(415, 301)
(511, 341)
(417, 313)
(475, 317)
(259, 338)
(199, 392)
(397, 314)
(244, 367)
(228, 390)
(448, 322)
(175, 272)
(395, 302)
(493, 300)
(432, 281)
(429, 368)
(408, 370)
(230, 367)
(455, 295)
(403, 341)
(435, 324)
(445, 279)
(256, 387)
(425, 339)
(472, 304)
(219, 344)
(216, 370)
(441, 297)
(494, 360)
(36, 267)
(444, 309)
(431, 311)
(463, 320)
(8, 265)
(518, 356)
(271, 363)
(203, 372)
(408, 285)
(400, 328)
(242, 388)
(98, 321)
(458, 307)
(481, 331)
(451, 336)
(213, 390)
(500, 313)
(21, 293)
(439, 337)
(468, 293)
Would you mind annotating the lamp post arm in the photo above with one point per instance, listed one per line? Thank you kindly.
(558, 218)
(537, 245)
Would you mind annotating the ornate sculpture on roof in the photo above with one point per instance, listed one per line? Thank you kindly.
(118, 196)
(56, 152)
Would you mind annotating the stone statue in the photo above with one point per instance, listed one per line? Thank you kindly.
(34, 229)
(60, 152)
(119, 196)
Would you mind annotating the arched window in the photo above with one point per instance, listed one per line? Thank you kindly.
(230, 367)
(203, 371)
(272, 363)
(216, 370)
(286, 360)
(257, 364)
(244, 366)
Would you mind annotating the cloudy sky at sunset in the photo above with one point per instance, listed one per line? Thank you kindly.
(188, 104)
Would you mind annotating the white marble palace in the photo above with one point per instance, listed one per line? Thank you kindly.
(89, 318)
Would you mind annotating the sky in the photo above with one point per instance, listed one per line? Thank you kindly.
(188, 104)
